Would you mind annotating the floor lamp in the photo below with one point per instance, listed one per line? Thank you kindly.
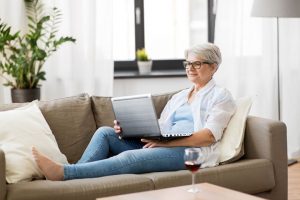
(277, 9)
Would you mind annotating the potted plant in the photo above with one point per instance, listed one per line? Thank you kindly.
(22, 56)
(143, 61)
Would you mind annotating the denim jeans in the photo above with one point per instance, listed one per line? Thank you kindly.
(107, 155)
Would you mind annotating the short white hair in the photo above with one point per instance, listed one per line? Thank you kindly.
(208, 51)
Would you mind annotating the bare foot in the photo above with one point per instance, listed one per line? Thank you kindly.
(51, 170)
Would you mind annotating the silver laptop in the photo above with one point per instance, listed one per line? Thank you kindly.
(137, 118)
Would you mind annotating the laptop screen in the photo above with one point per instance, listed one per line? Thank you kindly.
(136, 116)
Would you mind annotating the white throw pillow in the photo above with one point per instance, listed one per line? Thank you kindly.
(232, 142)
(20, 129)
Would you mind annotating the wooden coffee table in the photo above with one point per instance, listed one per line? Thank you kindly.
(208, 191)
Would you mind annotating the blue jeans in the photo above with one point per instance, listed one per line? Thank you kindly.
(107, 155)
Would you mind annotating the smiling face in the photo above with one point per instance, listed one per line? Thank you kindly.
(202, 75)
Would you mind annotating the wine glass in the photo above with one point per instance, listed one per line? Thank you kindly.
(193, 160)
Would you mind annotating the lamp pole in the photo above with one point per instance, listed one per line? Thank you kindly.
(278, 74)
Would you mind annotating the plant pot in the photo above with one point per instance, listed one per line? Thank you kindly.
(25, 95)
(144, 67)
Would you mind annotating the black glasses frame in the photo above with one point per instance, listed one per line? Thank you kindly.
(195, 65)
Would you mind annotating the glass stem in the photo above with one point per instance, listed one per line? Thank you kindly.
(193, 181)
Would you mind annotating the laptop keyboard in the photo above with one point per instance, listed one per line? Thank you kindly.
(176, 134)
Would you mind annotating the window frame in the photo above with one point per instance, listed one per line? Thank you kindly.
(167, 64)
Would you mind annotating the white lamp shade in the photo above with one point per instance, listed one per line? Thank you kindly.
(276, 8)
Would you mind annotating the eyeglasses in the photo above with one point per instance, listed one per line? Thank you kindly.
(194, 65)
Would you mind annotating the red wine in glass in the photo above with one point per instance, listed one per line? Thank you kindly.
(192, 161)
(192, 166)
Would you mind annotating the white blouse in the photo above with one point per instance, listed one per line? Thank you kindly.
(212, 108)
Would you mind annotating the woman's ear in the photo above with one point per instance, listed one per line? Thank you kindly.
(214, 67)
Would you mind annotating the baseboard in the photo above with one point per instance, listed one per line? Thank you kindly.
(292, 161)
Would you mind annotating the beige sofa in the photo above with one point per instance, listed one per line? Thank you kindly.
(73, 120)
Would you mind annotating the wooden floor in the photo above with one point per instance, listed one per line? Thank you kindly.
(294, 182)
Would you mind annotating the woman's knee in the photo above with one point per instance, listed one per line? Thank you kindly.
(104, 131)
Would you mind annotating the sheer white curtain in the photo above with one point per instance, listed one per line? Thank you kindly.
(249, 67)
(248, 46)
(87, 65)
(290, 71)
(12, 13)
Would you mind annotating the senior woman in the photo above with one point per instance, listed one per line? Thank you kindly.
(204, 109)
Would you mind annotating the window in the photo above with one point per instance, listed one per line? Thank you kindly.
(164, 27)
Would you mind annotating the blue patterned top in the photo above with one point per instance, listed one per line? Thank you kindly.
(183, 121)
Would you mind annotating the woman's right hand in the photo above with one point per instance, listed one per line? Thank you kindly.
(117, 127)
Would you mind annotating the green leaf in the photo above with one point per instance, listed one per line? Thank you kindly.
(41, 75)
(40, 54)
(11, 84)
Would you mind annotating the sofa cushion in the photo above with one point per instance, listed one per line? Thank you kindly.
(232, 142)
(258, 173)
(17, 141)
(87, 189)
(72, 122)
(102, 109)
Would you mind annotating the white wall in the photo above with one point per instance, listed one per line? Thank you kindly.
(123, 87)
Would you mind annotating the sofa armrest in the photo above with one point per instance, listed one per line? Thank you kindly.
(265, 138)
(2, 176)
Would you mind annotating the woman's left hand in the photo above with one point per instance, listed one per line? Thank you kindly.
(153, 143)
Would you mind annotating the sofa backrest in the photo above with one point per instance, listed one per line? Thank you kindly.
(71, 121)
(103, 113)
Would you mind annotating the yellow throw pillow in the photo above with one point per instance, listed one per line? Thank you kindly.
(20, 129)
(233, 137)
